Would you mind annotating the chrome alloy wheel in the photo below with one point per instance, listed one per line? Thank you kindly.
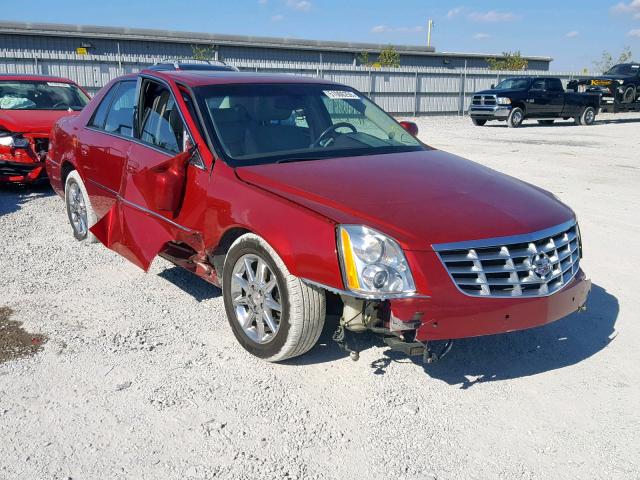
(517, 118)
(256, 298)
(589, 116)
(77, 209)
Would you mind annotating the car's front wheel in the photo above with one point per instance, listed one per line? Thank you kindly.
(515, 118)
(629, 95)
(273, 314)
(79, 210)
(479, 122)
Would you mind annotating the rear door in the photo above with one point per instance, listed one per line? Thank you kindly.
(162, 169)
(104, 144)
(555, 93)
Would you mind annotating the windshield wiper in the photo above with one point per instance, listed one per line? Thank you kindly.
(291, 160)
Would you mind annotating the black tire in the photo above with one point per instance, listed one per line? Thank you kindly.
(303, 307)
(629, 95)
(546, 122)
(478, 122)
(75, 198)
(587, 116)
(515, 118)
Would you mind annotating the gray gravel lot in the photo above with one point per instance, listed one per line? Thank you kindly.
(141, 377)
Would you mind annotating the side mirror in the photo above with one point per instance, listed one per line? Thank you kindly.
(493, 85)
(410, 127)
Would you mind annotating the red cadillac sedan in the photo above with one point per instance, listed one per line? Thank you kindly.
(290, 192)
(29, 106)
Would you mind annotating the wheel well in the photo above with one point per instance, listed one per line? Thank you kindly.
(520, 106)
(66, 169)
(219, 253)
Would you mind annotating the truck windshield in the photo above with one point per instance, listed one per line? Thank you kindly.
(267, 123)
(624, 69)
(513, 84)
(40, 95)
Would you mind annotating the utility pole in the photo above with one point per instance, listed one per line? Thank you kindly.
(429, 27)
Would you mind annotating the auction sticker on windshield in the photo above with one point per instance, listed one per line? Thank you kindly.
(341, 94)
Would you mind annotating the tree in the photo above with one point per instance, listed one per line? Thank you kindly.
(363, 59)
(389, 57)
(508, 61)
(202, 52)
(607, 60)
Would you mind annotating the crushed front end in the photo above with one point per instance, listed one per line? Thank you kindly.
(22, 157)
(477, 288)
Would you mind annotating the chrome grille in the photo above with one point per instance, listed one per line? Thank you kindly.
(484, 100)
(524, 266)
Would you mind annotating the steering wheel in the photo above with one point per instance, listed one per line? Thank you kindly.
(59, 104)
(332, 129)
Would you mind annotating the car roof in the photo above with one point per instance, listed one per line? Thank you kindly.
(41, 78)
(198, 78)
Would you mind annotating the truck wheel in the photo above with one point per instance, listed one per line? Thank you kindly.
(545, 122)
(587, 117)
(273, 314)
(515, 118)
(629, 95)
(79, 210)
(478, 122)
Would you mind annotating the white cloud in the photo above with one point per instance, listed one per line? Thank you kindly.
(493, 16)
(481, 36)
(454, 12)
(572, 34)
(277, 18)
(634, 33)
(300, 5)
(388, 29)
(632, 8)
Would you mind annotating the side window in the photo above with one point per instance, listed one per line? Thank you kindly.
(538, 84)
(100, 114)
(120, 116)
(160, 122)
(554, 84)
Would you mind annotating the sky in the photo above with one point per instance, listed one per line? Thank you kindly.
(574, 33)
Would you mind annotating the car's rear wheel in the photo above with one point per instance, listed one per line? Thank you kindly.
(478, 122)
(79, 209)
(629, 95)
(273, 314)
(545, 122)
(515, 118)
(587, 116)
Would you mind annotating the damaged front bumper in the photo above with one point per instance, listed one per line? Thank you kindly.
(24, 164)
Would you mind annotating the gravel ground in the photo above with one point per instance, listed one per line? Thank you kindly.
(141, 377)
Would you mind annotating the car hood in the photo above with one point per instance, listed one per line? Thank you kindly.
(31, 121)
(419, 198)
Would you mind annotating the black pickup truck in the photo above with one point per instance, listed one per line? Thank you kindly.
(619, 88)
(541, 98)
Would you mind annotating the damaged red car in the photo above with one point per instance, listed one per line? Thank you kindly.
(29, 106)
(292, 194)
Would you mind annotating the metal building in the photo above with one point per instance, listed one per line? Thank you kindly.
(93, 55)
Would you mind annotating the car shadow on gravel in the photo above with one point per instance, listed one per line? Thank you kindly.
(12, 197)
(190, 283)
(524, 353)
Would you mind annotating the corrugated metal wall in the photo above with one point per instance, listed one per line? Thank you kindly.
(411, 89)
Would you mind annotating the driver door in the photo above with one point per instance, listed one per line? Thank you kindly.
(163, 173)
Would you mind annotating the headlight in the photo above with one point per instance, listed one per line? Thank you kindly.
(11, 141)
(503, 101)
(372, 262)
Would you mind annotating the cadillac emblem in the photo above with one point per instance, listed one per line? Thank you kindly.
(541, 265)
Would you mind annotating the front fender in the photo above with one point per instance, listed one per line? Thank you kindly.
(305, 240)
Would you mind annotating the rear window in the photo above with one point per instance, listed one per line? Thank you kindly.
(40, 95)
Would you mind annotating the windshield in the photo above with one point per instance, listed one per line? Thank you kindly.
(513, 84)
(624, 69)
(266, 123)
(39, 95)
